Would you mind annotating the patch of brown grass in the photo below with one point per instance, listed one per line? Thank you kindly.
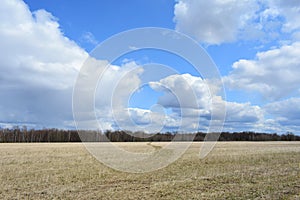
(233, 170)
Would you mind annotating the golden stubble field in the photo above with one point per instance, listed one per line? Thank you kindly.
(233, 170)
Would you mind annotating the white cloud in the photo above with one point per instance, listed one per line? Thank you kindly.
(290, 10)
(274, 73)
(184, 91)
(213, 21)
(39, 66)
(113, 93)
(117, 84)
(34, 50)
(243, 112)
(287, 111)
(88, 37)
(296, 36)
(216, 21)
(206, 102)
(149, 121)
(285, 115)
(239, 116)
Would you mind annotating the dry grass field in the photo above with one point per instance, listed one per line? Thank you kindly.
(233, 170)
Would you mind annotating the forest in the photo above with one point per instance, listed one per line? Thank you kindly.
(23, 134)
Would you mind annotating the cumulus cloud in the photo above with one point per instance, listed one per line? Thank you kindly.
(290, 10)
(149, 121)
(183, 91)
(178, 95)
(116, 85)
(243, 116)
(212, 21)
(38, 66)
(34, 50)
(216, 22)
(286, 112)
(274, 73)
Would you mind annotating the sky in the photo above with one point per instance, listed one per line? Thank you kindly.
(254, 44)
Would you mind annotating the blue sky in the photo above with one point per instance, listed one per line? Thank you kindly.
(106, 18)
(254, 44)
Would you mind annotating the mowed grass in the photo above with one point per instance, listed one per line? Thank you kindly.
(233, 170)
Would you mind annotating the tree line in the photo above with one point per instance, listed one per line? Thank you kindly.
(58, 135)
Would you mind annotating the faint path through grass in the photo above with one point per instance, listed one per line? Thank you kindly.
(156, 147)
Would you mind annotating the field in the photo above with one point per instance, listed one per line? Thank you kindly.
(233, 170)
